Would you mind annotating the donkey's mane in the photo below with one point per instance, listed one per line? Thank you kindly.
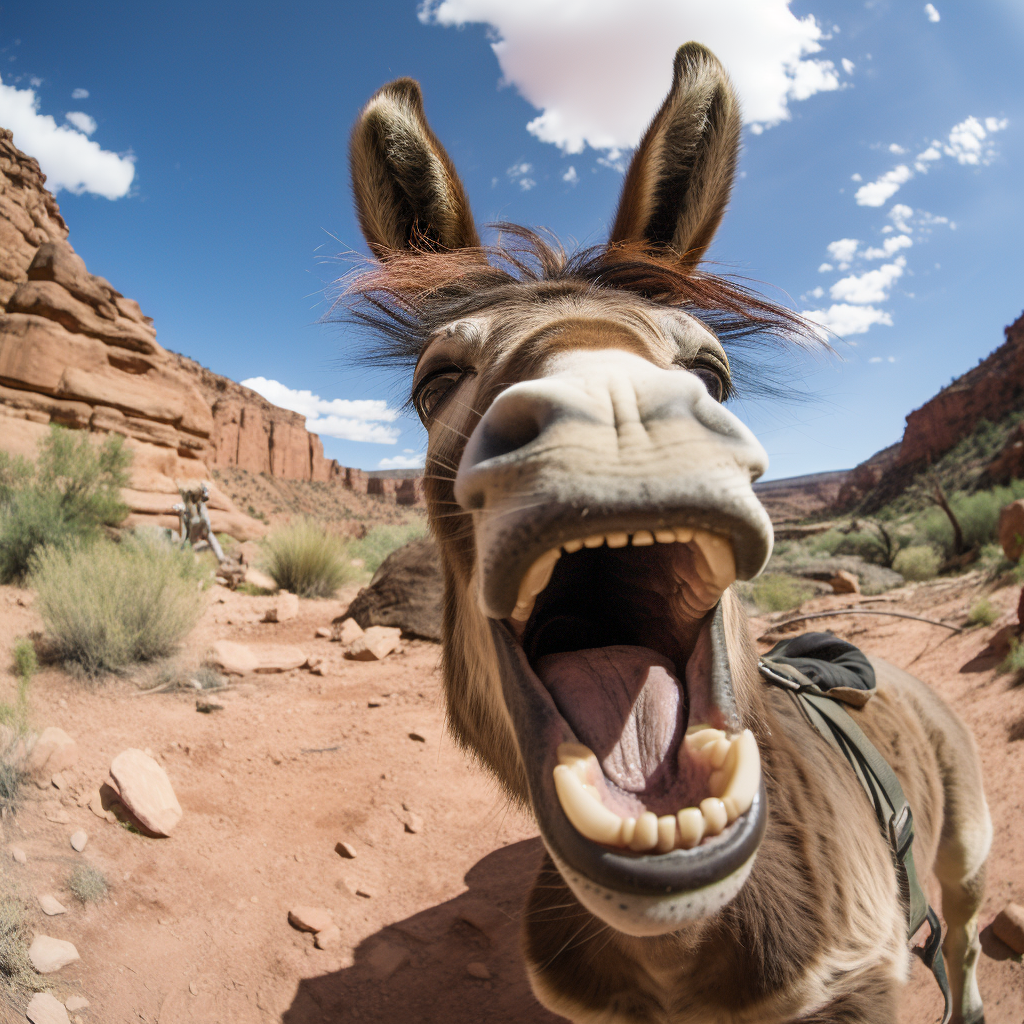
(411, 294)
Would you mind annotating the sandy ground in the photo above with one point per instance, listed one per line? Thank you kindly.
(195, 928)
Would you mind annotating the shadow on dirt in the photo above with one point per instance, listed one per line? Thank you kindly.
(415, 971)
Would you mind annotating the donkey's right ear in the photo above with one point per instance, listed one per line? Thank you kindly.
(406, 190)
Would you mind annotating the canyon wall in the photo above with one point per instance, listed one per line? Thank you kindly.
(74, 351)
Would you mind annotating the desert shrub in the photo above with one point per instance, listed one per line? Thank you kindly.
(11, 775)
(15, 716)
(15, 967)
(108, 605)
(304, 558)
(918, 562)
(777, 592)
(1014, 660)
(982, 613)
(382, 540)
(87, 883)
(73, 491)
(825, 543)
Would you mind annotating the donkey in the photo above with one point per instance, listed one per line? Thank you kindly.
(709, 857)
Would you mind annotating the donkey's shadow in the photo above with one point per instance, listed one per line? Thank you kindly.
(415, 971)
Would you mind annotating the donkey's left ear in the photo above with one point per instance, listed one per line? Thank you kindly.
(680, 177)
(406, 190)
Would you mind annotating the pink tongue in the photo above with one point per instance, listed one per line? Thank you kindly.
(625, 703)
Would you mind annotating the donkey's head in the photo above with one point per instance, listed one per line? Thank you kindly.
(591, 497)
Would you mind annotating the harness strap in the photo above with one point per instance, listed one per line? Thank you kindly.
(884, 791)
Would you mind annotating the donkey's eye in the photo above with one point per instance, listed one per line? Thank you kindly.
(711, 380)
(433, 390)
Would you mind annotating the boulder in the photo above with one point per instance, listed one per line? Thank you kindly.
(257, 578)
(1008, 927)
(310, 919)
(49, 955)
(375, 644)
(873, 579)
(407, 591)
(347, 631)
(284, 608)
(1011, 530)
(54, 751)
(44, 1008)
(51, 906)
(278, 657)
(146, 791)
(845, 583)
(232, 658)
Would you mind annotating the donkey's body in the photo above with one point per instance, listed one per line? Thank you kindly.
(710, 857)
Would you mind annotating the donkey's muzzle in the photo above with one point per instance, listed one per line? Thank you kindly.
(606, 443)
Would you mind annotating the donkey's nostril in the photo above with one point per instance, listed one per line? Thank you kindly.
(512, 422)
(495, 442)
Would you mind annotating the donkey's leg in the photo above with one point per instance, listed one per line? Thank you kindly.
(960, 868)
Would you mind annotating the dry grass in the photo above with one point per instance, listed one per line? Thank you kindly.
(307, 560)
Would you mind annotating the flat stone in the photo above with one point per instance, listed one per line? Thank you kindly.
(375, 644)
(52, 752)
(347, 631)
(260, 579)
(232, 658)
(284, 608)
(146, 791)
(328, 938)
(484, 917)
(385, 958)
(325, 632)
(51, 906)
(49, 955)
(310, 919)
(76, 1003)
(1008, 927)
(278, 657)
(53, 811)
(346, 850)
(475, 969)
(79, 839)
(43, 1008)
(18, 855)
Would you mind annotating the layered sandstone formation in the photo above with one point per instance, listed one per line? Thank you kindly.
(74, 351)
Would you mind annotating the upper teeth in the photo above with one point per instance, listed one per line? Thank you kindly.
(714, 560)
(736, 775)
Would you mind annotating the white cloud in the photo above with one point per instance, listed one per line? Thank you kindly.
(80, 94)
(845, 320)
(969, 142)
(895, 147)
(856, 177)
(875, 193)
(889, 247)
(875, 359)
(824, 268)
(933, 15)
(925, 157)
(571, 176)
(520, 173)
(403, 462)
(871, 286)
(597, 71)
(69, 159)
(349, 420)
(843, 251)
(848, 65)
(816, 293)
(899, 215)
(83, 122)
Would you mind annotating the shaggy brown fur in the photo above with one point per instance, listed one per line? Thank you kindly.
(818, 932)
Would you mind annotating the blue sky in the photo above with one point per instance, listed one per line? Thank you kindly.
(223, 129)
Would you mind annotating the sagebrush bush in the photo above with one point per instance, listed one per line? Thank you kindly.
(106, 606)
(304, 558)
(1014, 660)
(982, 613)
(380, 541)
(15, 966)
(87, 883)
(73, 491)
(777, 592)
(918, 562)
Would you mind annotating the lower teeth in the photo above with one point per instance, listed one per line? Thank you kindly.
(735, 765)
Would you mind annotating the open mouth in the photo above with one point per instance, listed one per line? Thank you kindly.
(641, 773)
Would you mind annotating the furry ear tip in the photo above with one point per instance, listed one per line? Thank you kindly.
(405, 91)
(690, 57)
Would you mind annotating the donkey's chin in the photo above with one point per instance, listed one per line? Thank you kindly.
(644, 782)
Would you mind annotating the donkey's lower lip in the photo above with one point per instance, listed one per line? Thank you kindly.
(709, 872)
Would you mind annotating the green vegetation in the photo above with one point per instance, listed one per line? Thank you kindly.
(982, 613)
(15, 716)
(87, 883)
(14, 725)
(777, 592)
(73, 491)
(15, 968)
(307, 560)
(1014, 660)
(380, 541)
(107, 605)
(918, 562)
